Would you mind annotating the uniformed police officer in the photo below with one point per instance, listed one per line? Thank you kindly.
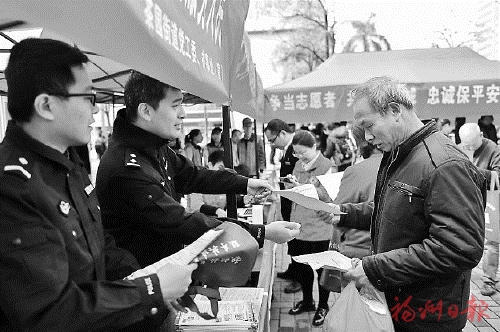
(138, 177)
(58, 270)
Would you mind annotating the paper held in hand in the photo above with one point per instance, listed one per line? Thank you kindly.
(332, 259)
(307, 196)
(331, 183)
(183, 257)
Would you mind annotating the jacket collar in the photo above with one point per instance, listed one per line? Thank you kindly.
(16, 136)
(250, 139)
(481, 148)
(136, 137)
(314, 165)
(404, 148)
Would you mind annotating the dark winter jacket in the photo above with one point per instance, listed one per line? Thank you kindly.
(427, 230)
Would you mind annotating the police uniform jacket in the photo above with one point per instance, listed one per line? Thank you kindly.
(58, 269)
(136, 183)
(427, 231)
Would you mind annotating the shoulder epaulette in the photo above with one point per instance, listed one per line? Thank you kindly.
(18, 165)
(131, 158)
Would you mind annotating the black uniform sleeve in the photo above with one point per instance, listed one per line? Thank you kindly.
(38, 291)
(163, 214)
(208, 210)
(149, 204)
(119, 262)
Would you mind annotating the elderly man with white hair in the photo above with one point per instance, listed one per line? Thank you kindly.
(485, 155)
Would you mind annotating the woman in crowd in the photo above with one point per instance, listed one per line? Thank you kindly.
(314, 234)
(192, 150)
(215, 143)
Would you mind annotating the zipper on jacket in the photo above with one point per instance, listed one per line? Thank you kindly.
(377, 228)
(405, 192)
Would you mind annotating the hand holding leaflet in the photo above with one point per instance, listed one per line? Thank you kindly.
(183, 257)
(307, 196)
(331, 182)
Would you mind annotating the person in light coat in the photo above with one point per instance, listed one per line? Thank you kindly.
(314, 234)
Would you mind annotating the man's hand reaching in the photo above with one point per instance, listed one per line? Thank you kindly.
(282, 231)
(328, 217)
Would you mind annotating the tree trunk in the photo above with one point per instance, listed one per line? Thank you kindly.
(327, 42)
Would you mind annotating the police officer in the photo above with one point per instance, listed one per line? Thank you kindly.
(59, 272)
(138, 177)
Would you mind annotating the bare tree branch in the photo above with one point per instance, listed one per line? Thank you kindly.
(308, 18)
(318, 57)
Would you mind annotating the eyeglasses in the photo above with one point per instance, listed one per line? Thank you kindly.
(271, 141)
(299, 154)
(92, 97)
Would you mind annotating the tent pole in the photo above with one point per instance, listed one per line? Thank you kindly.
(228, 158)
(255, 123)
(256, 148)
(207, 135)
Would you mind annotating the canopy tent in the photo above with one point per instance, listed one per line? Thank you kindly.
(195, 46)
(450, 82)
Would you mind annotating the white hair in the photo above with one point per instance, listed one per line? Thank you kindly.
(381, 91)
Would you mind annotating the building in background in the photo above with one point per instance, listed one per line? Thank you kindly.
(488, 19)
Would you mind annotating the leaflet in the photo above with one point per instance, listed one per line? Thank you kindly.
(232, 313)
(331, 183)
(183, 257)
(313, 203)
(332, 259)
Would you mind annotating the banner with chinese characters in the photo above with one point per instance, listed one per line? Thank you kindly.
(323, 104)
(431, 100)
(458, 99)
(189, 44)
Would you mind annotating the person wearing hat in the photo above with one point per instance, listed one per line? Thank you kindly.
(59, 270)
(246, 150)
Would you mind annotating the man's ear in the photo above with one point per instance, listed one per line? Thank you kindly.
(42, 106)
(145, 111)
(395, 109)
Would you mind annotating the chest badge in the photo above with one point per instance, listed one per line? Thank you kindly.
(64, 208)
(89, 189)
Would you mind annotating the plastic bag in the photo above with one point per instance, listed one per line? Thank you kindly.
(363, 311)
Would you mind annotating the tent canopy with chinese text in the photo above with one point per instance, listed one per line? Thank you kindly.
(197, 46)
(448, 82)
